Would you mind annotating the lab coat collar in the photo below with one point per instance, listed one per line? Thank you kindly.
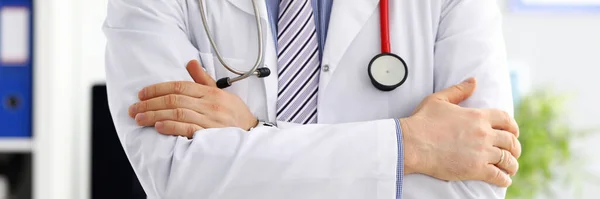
(346, 21)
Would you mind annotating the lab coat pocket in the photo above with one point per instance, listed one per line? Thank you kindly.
(216, 70)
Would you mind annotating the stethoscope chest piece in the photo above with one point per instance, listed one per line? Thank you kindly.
(387, 71)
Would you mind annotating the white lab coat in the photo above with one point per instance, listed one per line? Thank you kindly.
(353, 152)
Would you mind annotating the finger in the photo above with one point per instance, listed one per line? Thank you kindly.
(458, 93)
(166, 102)
(179, 87)
(496, 176)
(177, 128)
(501, 120)
(180, 115)
(509, 164)
(199, 75)
(507, 141)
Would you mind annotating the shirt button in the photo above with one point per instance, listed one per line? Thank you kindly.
(325, 68)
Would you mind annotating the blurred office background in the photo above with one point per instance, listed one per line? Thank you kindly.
(557, 48)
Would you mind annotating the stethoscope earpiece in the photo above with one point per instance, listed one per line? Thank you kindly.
(224, 82)
(263, 72)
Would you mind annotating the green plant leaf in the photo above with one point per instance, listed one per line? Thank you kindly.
(546, 144)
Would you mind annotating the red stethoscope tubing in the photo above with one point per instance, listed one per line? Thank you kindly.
(385, 26)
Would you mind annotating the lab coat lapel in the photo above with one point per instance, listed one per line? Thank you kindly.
(270, 58)
(346, 21)
(271, 82)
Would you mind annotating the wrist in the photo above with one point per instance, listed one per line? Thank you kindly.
(252, 124)
(263, 124)
(410, 158)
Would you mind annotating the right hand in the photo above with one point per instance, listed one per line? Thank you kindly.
(181, 108)
(449, 142)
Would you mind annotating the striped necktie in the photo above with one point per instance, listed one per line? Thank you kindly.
(298, 61)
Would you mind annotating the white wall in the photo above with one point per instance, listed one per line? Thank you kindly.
(68, 60)
(55, 100)
(92, 48)
(563, 51)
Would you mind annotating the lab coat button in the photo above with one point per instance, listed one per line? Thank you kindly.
(325, 68)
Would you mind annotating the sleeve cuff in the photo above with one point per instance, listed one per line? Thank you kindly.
(400, 166)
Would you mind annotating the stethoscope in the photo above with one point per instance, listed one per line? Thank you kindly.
(256, 70)
(387, 71)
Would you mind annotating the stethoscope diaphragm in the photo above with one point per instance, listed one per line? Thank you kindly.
(387, 71)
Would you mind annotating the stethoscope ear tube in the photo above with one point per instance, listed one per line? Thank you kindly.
(256, 69)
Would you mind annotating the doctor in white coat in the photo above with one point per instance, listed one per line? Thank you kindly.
(433, 137)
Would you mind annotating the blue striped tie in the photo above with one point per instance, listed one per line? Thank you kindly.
(298, 60)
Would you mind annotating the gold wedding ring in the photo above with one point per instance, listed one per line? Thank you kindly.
(501, 157)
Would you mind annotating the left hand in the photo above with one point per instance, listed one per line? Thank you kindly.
(181, 108)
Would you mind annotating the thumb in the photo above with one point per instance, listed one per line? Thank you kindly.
(199, 75)
(458, 93)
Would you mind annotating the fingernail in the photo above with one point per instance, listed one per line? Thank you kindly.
(142, 94)
(159, 125)
(139, 117)
(132, 109)
(469, 81)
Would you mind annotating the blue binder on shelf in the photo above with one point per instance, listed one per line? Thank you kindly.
(16, 72)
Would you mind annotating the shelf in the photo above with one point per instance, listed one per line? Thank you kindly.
(15, 145)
